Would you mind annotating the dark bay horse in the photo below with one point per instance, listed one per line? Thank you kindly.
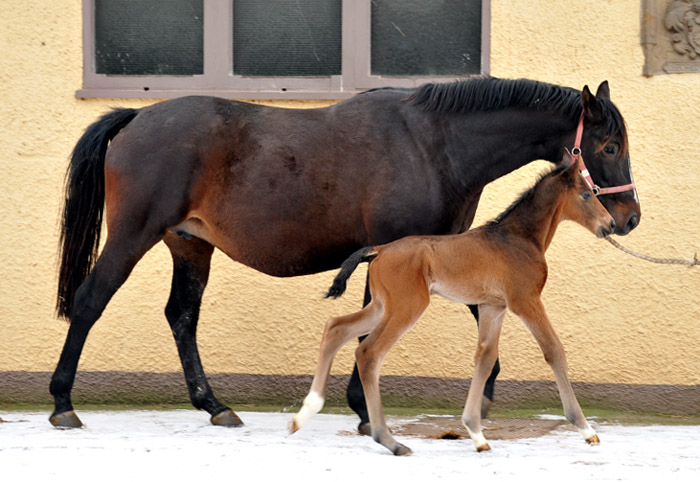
(498, 266)
(294, 191)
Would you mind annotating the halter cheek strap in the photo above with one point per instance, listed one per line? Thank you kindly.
(576, 154)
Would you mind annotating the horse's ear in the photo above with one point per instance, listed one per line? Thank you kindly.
(590, 105)
(603, 90)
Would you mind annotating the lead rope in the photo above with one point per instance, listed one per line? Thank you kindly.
(683, 261)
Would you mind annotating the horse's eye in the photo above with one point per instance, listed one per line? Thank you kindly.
(610, 149)
(586, 195)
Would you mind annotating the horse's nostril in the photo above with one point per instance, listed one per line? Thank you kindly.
(612, 225)
(632, 222)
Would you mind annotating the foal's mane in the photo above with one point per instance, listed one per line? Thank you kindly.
(491, 93)
(526, 195)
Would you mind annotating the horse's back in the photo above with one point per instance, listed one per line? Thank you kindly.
(285, 191)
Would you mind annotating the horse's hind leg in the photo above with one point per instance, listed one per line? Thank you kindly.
(113, 267)
(191, 262)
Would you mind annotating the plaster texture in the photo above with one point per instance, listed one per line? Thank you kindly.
(622, 320)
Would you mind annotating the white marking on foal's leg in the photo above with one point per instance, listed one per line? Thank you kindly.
(313, 403)
(478, 439)
(589, 435)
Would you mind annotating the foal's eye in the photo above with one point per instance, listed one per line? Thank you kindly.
(586, 195)
(611, 149)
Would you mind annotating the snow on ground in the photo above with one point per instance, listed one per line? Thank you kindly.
(182, 445)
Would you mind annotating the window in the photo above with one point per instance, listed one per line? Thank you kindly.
(278, 48)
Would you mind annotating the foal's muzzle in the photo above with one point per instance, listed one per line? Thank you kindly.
(604, 232)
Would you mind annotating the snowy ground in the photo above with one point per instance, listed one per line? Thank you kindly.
(182, 445)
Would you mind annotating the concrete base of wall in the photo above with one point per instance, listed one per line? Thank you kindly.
(289, 391)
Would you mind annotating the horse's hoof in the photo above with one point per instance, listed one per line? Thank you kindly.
(485, 407)
(594, 440)
(227, 418)
(483, 448)
(402, 450)
(365, 429)
(65, 420)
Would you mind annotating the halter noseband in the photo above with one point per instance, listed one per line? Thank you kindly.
(576, 154)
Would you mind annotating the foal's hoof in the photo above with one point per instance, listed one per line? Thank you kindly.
(365, 429)
(293, 426)
(402, 450)
(483, 448)
(65, 420)
(227, 418)
(594, 440)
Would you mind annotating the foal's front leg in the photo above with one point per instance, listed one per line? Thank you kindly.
(490, 322)
(533, 315)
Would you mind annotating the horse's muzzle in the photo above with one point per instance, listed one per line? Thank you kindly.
(632, 222)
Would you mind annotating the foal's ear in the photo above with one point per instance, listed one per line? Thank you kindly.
(603, 90)
(569, 168)
(590, 105)
(567, 159)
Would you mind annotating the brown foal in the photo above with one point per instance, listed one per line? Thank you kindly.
(498, 266)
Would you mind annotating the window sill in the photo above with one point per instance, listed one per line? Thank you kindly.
(225, 93)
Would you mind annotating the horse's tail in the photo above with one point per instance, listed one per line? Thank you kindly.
(347, 268)
(83, 206)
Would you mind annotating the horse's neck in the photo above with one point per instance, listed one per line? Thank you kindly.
(511, 141)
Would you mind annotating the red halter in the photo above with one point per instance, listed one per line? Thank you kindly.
(576, 154)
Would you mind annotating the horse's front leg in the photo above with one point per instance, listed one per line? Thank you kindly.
(536, 320)
(487, 399)
(490, 322)
(191, 262)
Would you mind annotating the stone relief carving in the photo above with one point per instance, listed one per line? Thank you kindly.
(683, 19)
(671, 36)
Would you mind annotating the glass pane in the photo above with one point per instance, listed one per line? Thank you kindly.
(286, 38)
(431, 38)
(136, 37)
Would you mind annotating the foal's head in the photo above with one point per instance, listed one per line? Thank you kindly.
(580, 204)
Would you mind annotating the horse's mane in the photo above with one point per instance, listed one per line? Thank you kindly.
(490, 93)
(526, 195)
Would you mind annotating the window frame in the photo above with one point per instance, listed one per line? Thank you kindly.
(219, 80)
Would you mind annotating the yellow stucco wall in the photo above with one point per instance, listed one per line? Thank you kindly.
(622, 320)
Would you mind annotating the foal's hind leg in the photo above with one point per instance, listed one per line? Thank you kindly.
(337, 333)
(355, 393)
(191, 262)
(370, 355)
(120, 255)
(487, 399)
(533, 315)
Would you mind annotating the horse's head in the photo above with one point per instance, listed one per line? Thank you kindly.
(605, 148)
(580, 204)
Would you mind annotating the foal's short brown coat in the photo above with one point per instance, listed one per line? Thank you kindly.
(497, 266)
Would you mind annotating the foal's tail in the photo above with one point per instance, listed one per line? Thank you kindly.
(347, 268)
(83, 206)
